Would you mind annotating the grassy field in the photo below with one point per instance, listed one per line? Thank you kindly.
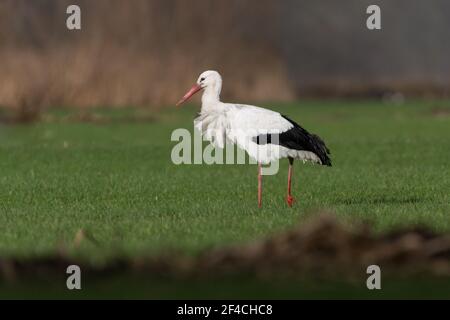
(116, 180)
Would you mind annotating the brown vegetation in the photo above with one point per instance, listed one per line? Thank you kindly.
(148, 52)
(139, 53)
(320, 247)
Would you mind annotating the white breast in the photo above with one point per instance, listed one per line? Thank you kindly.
(213, 126)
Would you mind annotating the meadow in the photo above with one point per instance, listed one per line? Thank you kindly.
(110, 174)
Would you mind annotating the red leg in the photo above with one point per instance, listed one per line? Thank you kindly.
(289, 198)
(259, 186)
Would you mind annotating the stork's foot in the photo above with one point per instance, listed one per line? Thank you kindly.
(290, 200)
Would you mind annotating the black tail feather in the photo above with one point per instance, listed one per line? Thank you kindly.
(300, 139)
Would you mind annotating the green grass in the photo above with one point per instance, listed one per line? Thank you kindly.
(116, 180)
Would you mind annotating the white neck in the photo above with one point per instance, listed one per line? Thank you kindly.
(211, 95)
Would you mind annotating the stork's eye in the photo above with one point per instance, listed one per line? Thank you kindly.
(202, 79)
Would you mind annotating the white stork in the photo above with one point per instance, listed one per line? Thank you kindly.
(264, 134)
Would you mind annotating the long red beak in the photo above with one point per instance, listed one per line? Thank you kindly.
(189, 94)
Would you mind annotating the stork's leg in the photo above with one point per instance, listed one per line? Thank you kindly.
(289, 198)
(259, 186)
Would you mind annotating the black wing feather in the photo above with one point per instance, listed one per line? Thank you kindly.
(298, 138)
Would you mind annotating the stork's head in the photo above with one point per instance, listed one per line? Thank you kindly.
(209, 80)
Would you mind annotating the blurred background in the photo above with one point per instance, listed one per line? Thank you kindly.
(148, 52)
(99, 185)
